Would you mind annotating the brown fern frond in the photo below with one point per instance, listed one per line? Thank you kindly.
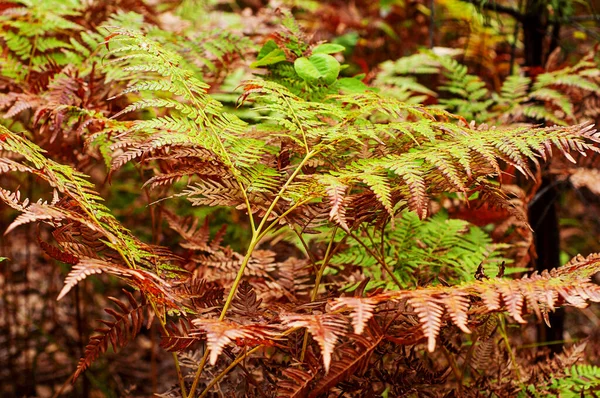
(350, 361)
(7, 165)
(246, 303)
(202, 295)
(336, 200)
(57, 254)
(176, 170)
(555, 367)
(13, 199)
(178, 338)
(457, 304)
(196, 236)
(295, 383)
(37, 212)
(214, 193)
(325, 329)
(128, 320)
(568, 285)
(90, 266)
(221, 333)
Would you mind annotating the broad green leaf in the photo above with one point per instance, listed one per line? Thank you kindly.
(351, 85)
(267, 48)
(318, 67)
(328, 48)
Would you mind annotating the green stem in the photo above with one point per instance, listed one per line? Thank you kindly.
(298, 123)
(504, 334)
(315, 291)
(324, 265)
(282, 216)
(257, 235)
(233, 364)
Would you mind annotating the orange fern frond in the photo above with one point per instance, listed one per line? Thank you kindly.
(324, 328)
(221, 333)
(362, 310)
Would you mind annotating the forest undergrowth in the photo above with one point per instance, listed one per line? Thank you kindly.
(299, 199)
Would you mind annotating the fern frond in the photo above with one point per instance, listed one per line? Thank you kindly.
(362, 310)
(178, 337)
(430, 315)
(213, 193)
(221, 333)
(83, 206)
(246, 302)
(568, 285)
(295, 384)
(351, 361)
(86, 267)
(201, 117)
(127, 323)
(325, 329)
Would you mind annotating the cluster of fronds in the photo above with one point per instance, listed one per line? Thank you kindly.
(548, 97)
(351, 277)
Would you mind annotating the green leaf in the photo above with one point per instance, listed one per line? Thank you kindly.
(267, 48)
(318, 67)
(351, 85)
(328, 48)
(275, 56)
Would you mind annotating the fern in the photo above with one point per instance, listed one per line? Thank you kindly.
(313, 186)
(127, 323)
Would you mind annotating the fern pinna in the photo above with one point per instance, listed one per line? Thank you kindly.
(349, 274)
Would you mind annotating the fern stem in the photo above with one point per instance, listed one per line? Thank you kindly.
(232, 365)
(281, 217)
(315, 291)
(310, 256)
(248, 207)
(217, 378)
(163, 325)
(238, 277)
(324, 265)
(455, 370)
(257, 235)
(298, 123)
(504, 335)
(198, 373)
(222, 148)
(283, 189)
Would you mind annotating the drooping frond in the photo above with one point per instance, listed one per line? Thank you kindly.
(351, 361)
(325, 329)
(80, 204)
(178, 337)
(86, 267)
(221, 333)
(362, 310)
(127, 323)
(568, 285)
(295, 384)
